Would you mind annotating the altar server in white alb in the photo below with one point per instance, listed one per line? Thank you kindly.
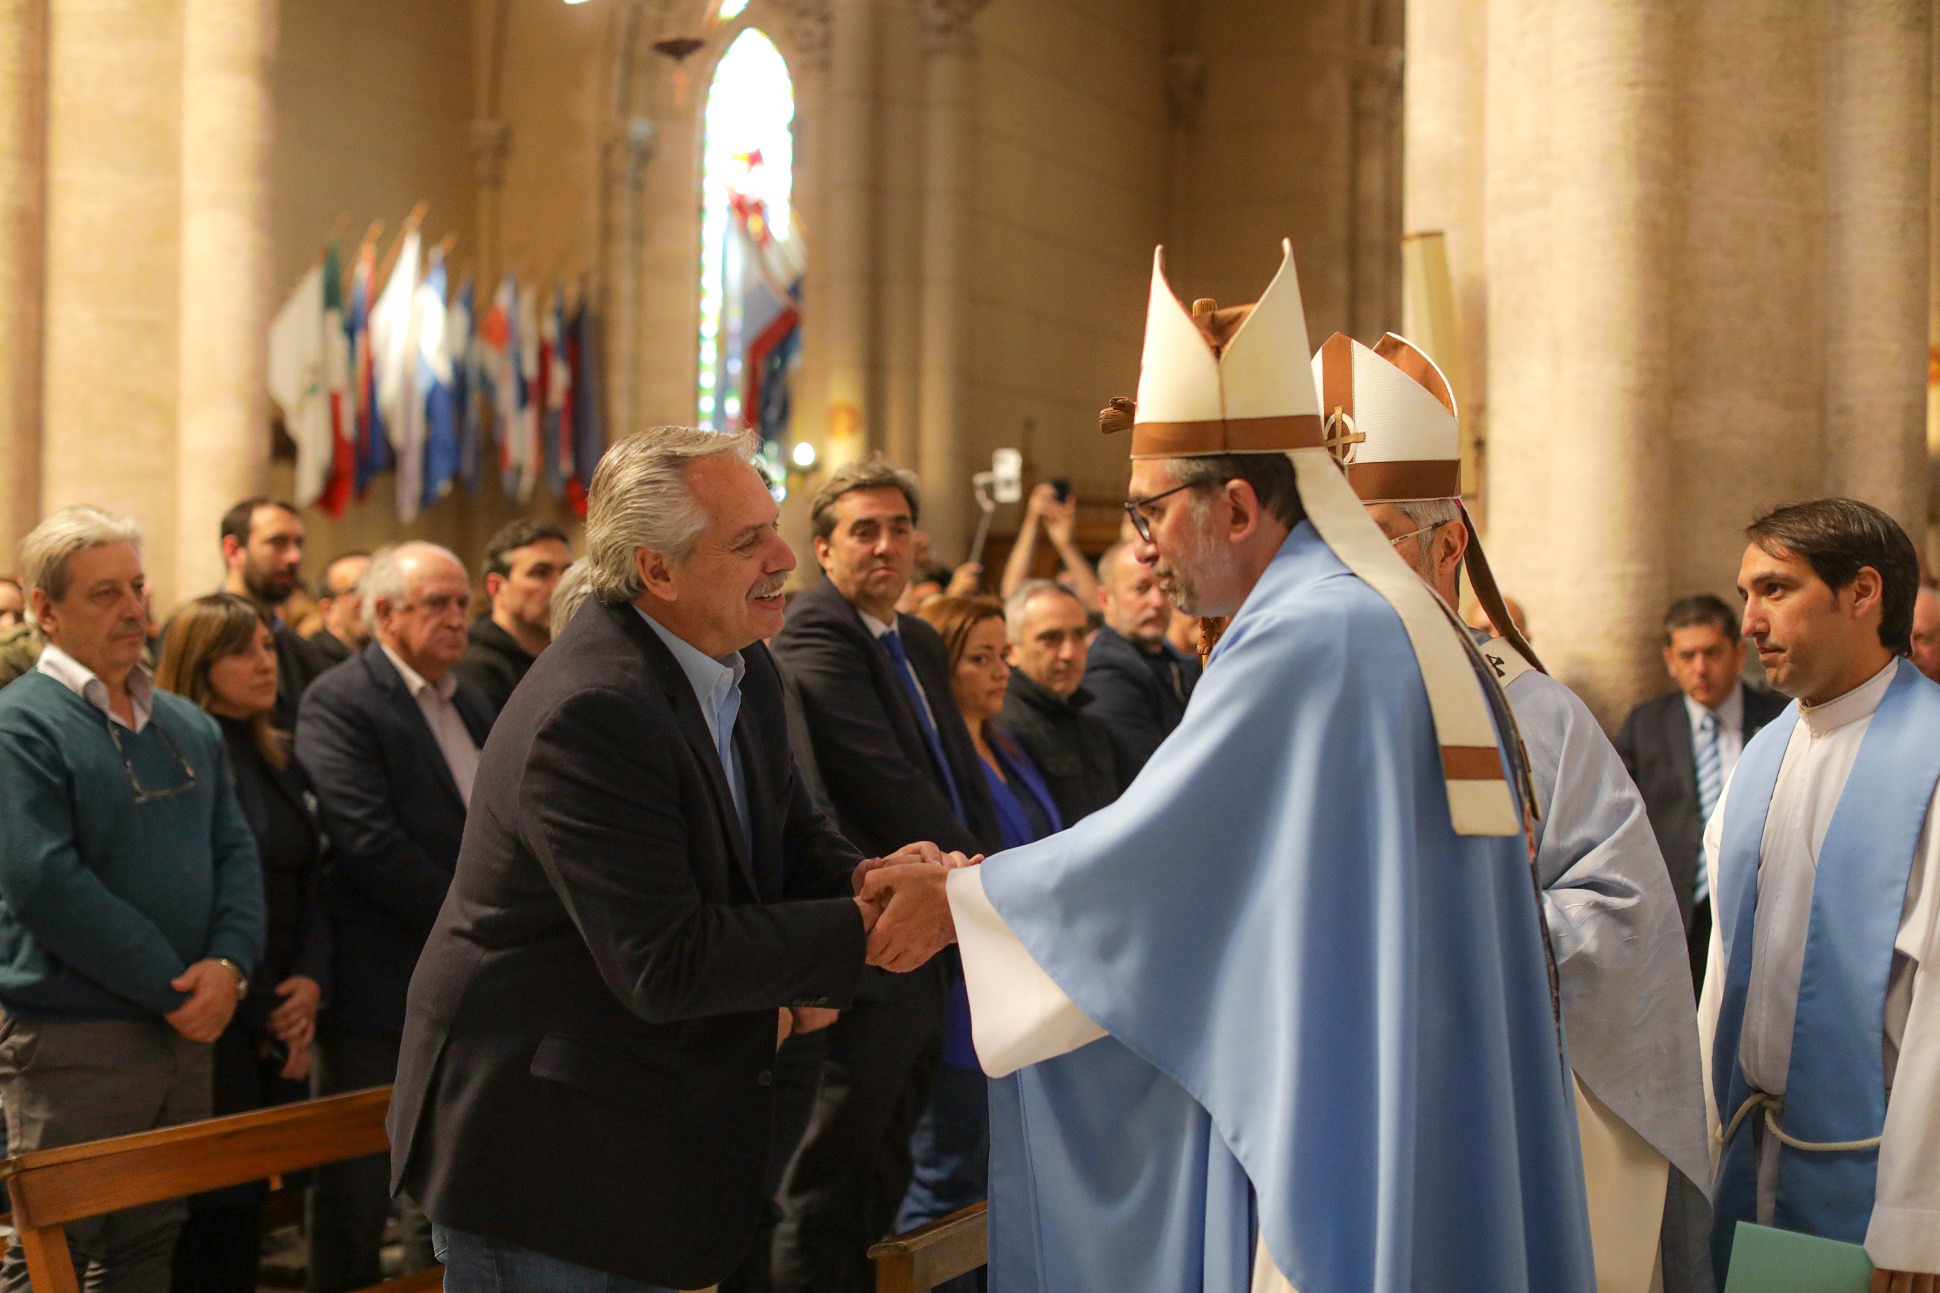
(1821, 1008)
(1280, 1017)
(1613, 917)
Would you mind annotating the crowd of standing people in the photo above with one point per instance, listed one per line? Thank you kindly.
(228, 842)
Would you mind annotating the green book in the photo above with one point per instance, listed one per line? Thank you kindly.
(1764, 1260)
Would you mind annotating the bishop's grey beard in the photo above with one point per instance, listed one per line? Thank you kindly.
(1181, 573)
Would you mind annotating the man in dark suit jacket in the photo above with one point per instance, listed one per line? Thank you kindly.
(390, 739)
(588, 1067)
(1711, 714)
(262, 545)
(1138, 681)
(898, 765)
(1046, 707)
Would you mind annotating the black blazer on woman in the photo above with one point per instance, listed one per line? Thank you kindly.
(587, 1067)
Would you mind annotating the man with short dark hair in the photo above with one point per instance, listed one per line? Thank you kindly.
(262, 544)
(1139, 681)
(898, 765)
(1821, 1011)
(523, 563)
(1681, 747)
(1048, 707)
(345, 627)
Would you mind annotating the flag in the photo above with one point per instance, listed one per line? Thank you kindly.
(435, 377)
(588, 435)
(394, 344)
(337, 391)
(296, 382)
(373, 447)
(526, 446)
(467, 390)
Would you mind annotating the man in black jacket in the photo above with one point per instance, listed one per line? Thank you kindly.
(523, 563)
(390, 739)
(345, 629)
(1139, 682)
(588, 1067)
(898, 765)
(262, 545)
(1680, 748)
(1046, 704)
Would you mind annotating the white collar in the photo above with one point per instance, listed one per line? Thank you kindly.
(1856, 704)
(85, 683)
(875, 626)
(415, 682)
(1731, 714)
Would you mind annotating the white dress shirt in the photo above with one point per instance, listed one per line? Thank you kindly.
(85, 683)
(447, 724)
(717, 686)
(1905, 1229)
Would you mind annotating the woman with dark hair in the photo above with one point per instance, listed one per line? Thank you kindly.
(951, 1144)
(220, 653)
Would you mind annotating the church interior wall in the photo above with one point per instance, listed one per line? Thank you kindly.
(1069, 202)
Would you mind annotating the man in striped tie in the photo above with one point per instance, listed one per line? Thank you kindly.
(1680, 748)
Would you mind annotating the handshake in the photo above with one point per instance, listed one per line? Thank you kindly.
(905, 909)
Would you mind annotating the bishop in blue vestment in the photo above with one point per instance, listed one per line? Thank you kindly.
(1282, 1016)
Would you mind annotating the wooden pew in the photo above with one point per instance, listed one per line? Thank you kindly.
(919, 1260)
(52, 1187)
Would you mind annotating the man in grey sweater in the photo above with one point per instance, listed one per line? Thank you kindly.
(131, 897)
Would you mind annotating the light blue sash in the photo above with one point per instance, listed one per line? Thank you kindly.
(1835, 1087)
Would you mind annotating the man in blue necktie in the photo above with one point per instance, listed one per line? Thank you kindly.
(893, 751)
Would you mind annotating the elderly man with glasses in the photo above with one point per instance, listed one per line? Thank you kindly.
(390, 739)
(131, 898)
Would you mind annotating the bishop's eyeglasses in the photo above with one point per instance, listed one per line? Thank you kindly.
(147, 794)
(1135, 508)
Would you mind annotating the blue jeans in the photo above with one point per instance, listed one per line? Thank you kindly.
(474, 1264)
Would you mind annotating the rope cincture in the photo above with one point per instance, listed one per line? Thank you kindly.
(1772, 1104)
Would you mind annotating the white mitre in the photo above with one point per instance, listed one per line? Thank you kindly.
(1393, 407)
(1236, 380)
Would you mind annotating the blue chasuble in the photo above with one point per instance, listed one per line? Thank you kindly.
(1330, 1022)
(1835, 1085)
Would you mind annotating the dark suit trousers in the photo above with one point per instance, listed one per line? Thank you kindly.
(1700, 940)
(351, 1201)
(841, 1190)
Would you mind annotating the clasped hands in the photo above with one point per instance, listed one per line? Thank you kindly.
(905, 908)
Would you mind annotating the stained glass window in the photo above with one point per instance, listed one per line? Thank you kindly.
(750, 256)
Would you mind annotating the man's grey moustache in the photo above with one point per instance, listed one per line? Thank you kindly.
(762, 592)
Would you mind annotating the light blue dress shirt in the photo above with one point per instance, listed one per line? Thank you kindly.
(717, 685)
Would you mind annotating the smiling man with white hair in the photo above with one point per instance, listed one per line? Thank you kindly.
(586, 1088)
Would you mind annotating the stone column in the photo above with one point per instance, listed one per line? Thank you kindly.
(1443, 123)
(1581, 265)
(949, 163)
(1374, 218)
(1877, 108)
(113, 219)
(847, 239)
(23, 97)
(222, 433)
(810, 68)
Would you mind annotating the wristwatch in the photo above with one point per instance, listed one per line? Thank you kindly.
(242, 980)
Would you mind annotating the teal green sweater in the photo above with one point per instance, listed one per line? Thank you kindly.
(103, 900)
